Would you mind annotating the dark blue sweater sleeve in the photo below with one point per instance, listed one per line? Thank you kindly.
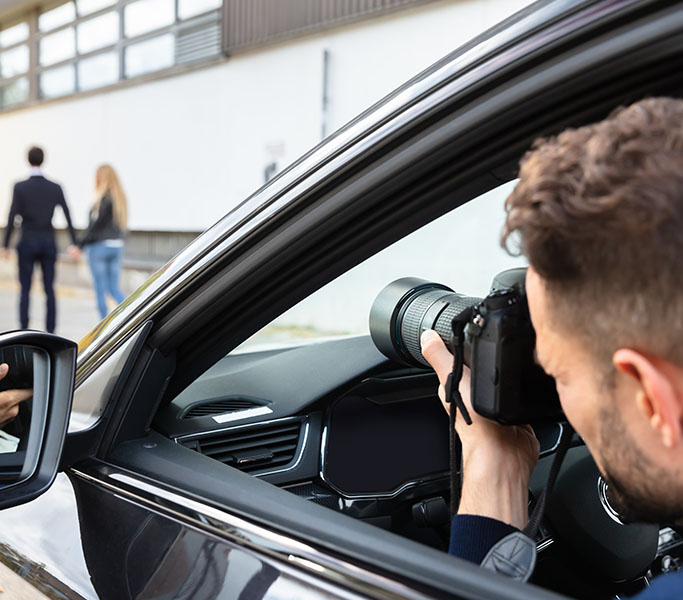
(664, 587)
(14, 210)
(473, 536)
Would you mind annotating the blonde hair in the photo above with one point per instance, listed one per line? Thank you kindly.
(107, 184)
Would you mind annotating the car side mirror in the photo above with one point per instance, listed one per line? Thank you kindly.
(36, 387)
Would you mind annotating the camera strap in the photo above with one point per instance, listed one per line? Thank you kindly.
(515, 554)
(563, 445)
(453, 397)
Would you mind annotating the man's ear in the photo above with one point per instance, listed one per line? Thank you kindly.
(658, 397)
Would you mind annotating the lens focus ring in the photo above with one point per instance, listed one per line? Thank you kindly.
(408, 306)
(458, 304)
(411, 323)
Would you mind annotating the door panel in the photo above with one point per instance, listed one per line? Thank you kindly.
(85, 541)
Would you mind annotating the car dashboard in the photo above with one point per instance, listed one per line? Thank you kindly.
(338, 424)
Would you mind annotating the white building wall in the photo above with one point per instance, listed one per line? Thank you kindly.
(190, 147)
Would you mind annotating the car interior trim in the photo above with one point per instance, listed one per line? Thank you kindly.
(90, 398)
(302, 451)
(383, 495)
(200, 434)
(367, 495)
(291, 466)
(604, 500)
(239, 415)
(551, 450)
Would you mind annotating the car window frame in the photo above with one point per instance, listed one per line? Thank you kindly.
(488, 174)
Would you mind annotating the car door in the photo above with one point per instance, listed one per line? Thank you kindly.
(142, 516)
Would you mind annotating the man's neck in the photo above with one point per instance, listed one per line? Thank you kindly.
(36, 172)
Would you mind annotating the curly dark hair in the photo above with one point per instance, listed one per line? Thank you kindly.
(598, 212)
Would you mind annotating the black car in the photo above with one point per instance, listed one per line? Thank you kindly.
(196, 466)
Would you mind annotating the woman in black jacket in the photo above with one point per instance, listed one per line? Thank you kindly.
(103, 239)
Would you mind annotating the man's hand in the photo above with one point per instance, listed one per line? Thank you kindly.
(497, 459)
(4, 253)
(10, 399)
(73, 252)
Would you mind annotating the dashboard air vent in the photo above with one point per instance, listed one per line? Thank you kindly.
(252, 449)
(219, 407)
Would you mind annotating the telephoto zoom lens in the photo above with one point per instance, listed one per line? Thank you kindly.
(406, 308)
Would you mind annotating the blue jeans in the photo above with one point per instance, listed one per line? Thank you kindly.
(105, 266)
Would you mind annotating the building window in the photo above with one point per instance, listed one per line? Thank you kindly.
(63, 14)
(14, 35)
(87, 7)
(15, 64)
(81, 45)
(98, 32)
(150, 55)
(57, 47)
(192, 8)
(14, 93)
(14, 61)
(58, 82)
(143, 16)
(98, 71)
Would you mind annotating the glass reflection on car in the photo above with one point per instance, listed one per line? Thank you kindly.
(16, 408)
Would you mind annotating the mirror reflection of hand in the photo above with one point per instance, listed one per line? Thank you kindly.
(497, 459)
(11, 399)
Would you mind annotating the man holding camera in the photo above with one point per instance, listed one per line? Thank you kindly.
(598, 212)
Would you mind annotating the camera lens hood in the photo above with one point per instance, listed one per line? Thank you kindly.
(387, 311)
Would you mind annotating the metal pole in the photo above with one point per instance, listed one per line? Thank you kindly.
(326, 97)
(34, 61)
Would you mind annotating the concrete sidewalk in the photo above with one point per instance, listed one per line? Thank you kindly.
(76, 310)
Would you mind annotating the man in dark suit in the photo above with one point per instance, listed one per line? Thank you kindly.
(34, 201)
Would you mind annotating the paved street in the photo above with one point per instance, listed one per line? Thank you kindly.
(76, 312)
(16, 587)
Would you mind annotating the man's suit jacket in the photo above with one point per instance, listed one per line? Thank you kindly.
(35, 199)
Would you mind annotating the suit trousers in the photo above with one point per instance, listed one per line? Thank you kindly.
(41, 249)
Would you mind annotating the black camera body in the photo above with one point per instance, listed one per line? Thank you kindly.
(507, 383)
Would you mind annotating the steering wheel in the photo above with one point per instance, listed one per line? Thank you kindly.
(586, 527)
